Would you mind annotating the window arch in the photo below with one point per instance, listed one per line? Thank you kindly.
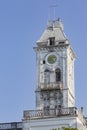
(46, 70)
(58, 74)
(46, 76)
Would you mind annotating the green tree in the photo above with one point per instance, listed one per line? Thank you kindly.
(64, 128)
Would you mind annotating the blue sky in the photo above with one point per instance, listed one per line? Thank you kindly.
(21, 24)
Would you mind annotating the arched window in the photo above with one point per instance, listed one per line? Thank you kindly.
(46, 76)
(58, 74)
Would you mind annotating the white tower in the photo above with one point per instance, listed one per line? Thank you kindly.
(55, 69)
(55, 99)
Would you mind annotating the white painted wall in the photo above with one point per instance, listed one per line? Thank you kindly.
(53, 123)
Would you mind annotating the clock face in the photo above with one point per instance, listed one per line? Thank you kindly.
(51, 59)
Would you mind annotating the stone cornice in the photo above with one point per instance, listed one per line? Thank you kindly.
(44, 47)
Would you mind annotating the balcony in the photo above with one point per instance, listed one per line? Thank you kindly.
(53, 113)
(51, 86)
(32, 114)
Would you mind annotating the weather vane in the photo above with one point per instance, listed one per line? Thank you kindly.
(53, 7)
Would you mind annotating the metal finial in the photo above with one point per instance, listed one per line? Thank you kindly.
(53, 9)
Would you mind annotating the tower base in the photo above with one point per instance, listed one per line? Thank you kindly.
(66, 117)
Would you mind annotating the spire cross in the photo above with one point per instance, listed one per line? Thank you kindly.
(54, 10)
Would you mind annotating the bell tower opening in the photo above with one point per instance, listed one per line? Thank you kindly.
(46, 76)
(52, 41)
(58, 75)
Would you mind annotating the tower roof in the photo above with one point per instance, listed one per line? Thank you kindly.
(54, 29)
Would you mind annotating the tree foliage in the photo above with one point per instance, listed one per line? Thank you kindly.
(64, 128)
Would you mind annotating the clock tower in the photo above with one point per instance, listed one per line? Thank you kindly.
(55, 99)
(54, 69)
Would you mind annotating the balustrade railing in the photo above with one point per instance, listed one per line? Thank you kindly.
(72, 111)
(50, 112)
(12, 125)
(58, 85)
